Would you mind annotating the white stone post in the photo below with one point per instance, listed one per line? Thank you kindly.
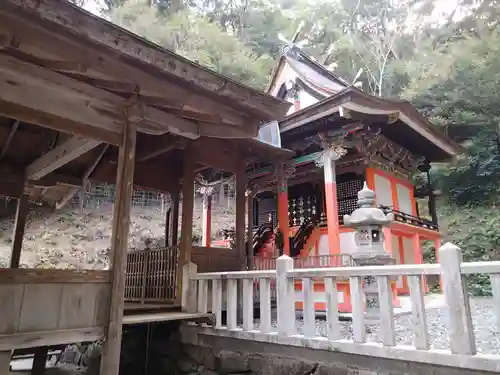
(457, 298)
(285, 296)
(189, 288)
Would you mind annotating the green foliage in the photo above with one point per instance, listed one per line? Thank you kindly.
(458, 91)
(197, 39)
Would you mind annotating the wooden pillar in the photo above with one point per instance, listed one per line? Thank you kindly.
(250, 210)
(39, 360)
(119, 243)
(168, 226)
(20, 225)
(240, 214)
(5, 362)
(206, 225)
(332, 209)
(186, 241)
(282, 212)
(174, 218)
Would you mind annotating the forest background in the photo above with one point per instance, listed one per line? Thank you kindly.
(443, 56)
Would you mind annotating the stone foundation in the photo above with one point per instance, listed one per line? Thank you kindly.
(175, 350)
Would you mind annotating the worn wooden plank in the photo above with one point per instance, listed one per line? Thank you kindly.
(265, 305)
(248, 304)
(308, 308)
(332, 309)
(217, 302)
(78, 304)
(42, 276)
(56, 337)
(59, 156)
(386, 311)
(461, 330)
(20, 225)
(418, 314)
(40, 298)
(119, 246)
(101, 310)
(232, 303)
(10, 307)
(358, 309)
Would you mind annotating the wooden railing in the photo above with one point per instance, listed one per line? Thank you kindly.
(405, 218)
(315, 261)
(152, 275)
(461, 351)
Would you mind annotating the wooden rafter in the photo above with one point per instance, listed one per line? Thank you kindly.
(67, 197)
(6, 145)
(59, 156)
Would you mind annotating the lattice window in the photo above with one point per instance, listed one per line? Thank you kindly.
(301, 209)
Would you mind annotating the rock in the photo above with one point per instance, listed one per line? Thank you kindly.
(187, 365)
(231, 362)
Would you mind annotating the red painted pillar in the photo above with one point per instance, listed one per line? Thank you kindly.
(207, 220)
(332, 209)
(282, 213)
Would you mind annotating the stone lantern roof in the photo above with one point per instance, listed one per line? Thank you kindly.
(367, 214)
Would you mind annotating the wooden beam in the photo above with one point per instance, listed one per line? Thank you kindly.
(186, 242)
(59, 156)
(152, 177)
(6, 145)
(39, 360)
(70, 194)
(240, 213)
(33, 94)
(216, 153)
(110, 361)
(174, 220)
(20, 225)
(36, 95)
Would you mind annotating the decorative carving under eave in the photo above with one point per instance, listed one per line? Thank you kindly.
(376, 146)
(282, 173)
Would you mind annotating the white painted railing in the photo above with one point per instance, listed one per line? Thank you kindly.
(462, 351)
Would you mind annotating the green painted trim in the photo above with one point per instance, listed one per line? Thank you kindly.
(309, 158)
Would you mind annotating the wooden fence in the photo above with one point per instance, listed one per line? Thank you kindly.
(152, 275)
(462, 350)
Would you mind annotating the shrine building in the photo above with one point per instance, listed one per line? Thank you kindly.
(342, 137)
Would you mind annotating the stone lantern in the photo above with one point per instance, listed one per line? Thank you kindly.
(369, 222)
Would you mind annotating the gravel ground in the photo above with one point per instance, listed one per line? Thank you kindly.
(484, 321)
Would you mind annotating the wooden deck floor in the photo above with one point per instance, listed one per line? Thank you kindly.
(140, 313)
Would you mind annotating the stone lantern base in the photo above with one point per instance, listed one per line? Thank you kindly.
(370, 282)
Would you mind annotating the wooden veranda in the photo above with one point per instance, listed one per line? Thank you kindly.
(82, 99)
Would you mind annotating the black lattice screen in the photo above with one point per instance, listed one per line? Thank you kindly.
(347, 196)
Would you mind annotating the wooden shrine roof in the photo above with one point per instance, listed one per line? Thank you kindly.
(68, 81)
(399, 121)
